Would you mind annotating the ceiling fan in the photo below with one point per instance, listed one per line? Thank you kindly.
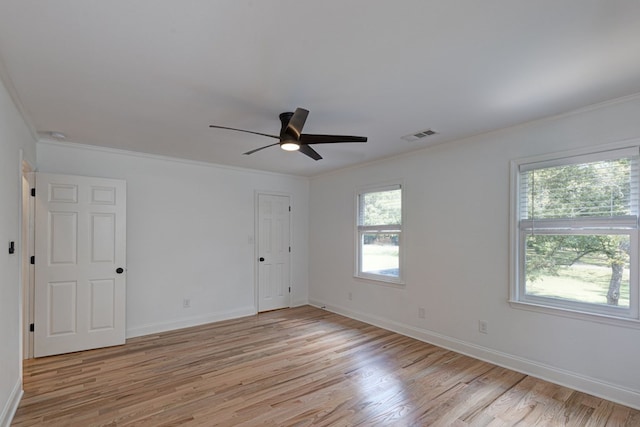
(291, 137)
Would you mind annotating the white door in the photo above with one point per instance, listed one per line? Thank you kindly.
(273, 252)
(80, 263)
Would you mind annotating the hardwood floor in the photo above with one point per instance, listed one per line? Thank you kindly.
(294, 367)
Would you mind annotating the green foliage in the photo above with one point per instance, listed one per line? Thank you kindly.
(382, 208)
(596, 190)
(547, 253)
(583, 190)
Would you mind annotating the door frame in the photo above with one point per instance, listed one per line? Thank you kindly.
(27, 236)
(256, 236)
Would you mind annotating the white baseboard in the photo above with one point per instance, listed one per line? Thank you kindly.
(299, 303)
(574, 380)
(187, 322)
(11, 405)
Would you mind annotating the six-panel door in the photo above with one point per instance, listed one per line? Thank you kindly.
(80, 245)
(273, 252)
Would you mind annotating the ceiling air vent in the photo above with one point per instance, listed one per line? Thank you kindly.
(419, 135)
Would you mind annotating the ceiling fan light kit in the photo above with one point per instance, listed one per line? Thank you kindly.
(291, 137)
(290, 146)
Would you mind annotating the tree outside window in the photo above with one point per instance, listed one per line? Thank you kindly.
(379, 234)
(577, 232)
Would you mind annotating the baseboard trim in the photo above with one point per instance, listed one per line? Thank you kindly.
(10, 408)
(549, 373)
(187, 322)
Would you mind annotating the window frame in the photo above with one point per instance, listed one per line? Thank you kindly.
(518, 297)
(361, 230)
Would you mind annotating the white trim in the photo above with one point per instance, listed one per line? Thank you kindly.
(203, 319)
(391, 228)
(590, 225)
(299, 303)
(122, 152)
(21, 261)
(27, 248)
(514, 214)
(397, 184)
(381, 279)
(465, 138)
(13, 94)
(10, 408)
(596, 155)
(602, 318)
(624, 144)
(565, 378)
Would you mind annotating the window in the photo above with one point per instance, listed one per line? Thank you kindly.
(577, 233)
(380, 234)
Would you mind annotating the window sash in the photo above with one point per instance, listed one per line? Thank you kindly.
(627, 222)
(378, 229)
(374, 276)
(391, 228)
(362, 204)
(620, 224)
(583, 307)
(526, 186)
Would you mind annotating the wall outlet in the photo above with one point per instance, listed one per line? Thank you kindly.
(186, 303)
(421, 313)
(350, 296)
(483, 326)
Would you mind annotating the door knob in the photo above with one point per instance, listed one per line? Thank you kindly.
(261, 259)
(119, 270)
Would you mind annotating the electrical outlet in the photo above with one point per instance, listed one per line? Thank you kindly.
(350, 296)
(421, 313)
(186, 303)
(483, 326)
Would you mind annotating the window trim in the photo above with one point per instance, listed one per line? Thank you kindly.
(584, 311)
(370, 229)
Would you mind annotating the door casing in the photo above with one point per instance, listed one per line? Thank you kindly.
(27, 249)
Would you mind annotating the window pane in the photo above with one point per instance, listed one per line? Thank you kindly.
(591, 268)
(380, 208)
(596, 189)
(380, 254)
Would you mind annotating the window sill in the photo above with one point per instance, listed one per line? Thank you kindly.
(379, 280)
(574, 314)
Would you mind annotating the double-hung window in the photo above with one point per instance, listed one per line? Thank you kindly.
(379, 234)
(576, 241)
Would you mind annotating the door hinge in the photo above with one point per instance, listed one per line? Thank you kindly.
(33, 192)
(289, 208)
(289, 289)
(32, 327)
(289, 248)
(33, 259)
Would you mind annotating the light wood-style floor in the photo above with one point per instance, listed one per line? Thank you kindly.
(294, 367)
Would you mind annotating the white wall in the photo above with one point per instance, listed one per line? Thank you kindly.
(188, 233)
(14, 136)
(457, 255)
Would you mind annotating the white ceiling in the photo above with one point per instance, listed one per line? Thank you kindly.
(151, 75)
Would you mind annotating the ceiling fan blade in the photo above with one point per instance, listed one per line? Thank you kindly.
(305, 149)
(307, 138)
(245, 131)
(262, 148)
(296, 123)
